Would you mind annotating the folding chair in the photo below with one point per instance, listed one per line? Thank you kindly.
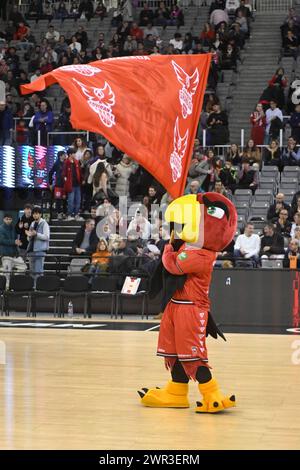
(20, 285)
(74, 286)
(47, 286)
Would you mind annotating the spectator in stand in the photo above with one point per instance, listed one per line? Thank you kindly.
(295, 208)
(219, 189)
(217, 17)
(74, 11)
(22, 133)
(247, 177)
(272, 154)
(291, 44)
(258, 122)
(16, 16)
(39, 236)
(22, 32)
(279, 83)
(146, 15)
(52, 35)
(140, 225)
(275, 208)
(295, 123)
(274, 120)
(82, 37)
(295, 224)
(80, 147)
(48, 11)
(283, 225)
(6, 124)
(100, 183)
(86, 240)
(292, 255)
(123, 171)
(150, 29)
(100, 258)
(248, 245)
(228, 175)
(217, 5)
(75, 46)
(199, 169)
(22, 225)
(290, 154)
(61, 12)
(193, 188)
(56, 185)
(9, 244)
(229, 58)
(43, 122)
(177, 42)
(100, 11)
(272, 242)
(130, 45)
(252, 152)
(86, 9)
(176, 17)
(72, 178)
(136, 32)
(231, 6)
(105, 209)
(242, 21)
(207, 35)
(234, 155)
(217, 123)
(13, 60)
(10, 30)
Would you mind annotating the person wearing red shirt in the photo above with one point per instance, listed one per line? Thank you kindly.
(136, 32)
(22, 33)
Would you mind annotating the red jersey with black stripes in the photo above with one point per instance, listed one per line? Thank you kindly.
(198, 265)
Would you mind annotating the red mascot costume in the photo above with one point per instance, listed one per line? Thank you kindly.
(205, 224)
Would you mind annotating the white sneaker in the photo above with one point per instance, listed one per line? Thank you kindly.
(79, 218)
(70, 217)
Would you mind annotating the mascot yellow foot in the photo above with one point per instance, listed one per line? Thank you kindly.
(213, 400)
(173, 395)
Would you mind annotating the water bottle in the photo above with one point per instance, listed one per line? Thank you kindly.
(70, 309)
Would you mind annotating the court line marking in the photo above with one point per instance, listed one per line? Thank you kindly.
(153, 327)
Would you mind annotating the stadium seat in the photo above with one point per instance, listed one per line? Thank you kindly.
(20, 285)
(46, 286)
(74, 286)
(104, 286)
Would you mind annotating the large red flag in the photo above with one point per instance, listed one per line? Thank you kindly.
(147, 106)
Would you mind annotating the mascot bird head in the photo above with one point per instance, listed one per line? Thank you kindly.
(209, 220)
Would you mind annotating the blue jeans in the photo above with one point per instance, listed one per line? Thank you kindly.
(254, 259)
(36, 262)
(74, 200)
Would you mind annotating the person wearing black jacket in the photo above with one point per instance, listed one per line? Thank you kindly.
(274, 209)
(86, 239)
(22, 225)
(57, 187)
(272, 243)
(217, 124)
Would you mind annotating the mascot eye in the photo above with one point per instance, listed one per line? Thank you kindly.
(216, 212)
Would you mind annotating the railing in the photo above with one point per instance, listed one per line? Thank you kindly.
(273, 5)
(86, 133)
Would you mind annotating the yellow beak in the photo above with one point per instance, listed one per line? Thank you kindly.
(185, 211)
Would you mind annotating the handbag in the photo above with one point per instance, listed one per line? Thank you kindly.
(59, 193)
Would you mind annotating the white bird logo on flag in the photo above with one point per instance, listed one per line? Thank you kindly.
(180, 145)
(189, 86)
(82, 69)
(101, 101)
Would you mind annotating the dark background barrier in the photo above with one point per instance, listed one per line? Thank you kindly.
(255, 297)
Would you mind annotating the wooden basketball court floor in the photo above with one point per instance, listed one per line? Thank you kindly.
(76, 389)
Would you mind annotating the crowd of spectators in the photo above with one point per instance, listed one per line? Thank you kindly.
(24, 56)
(90, 178)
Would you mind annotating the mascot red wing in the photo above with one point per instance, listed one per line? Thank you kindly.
(205, 225)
